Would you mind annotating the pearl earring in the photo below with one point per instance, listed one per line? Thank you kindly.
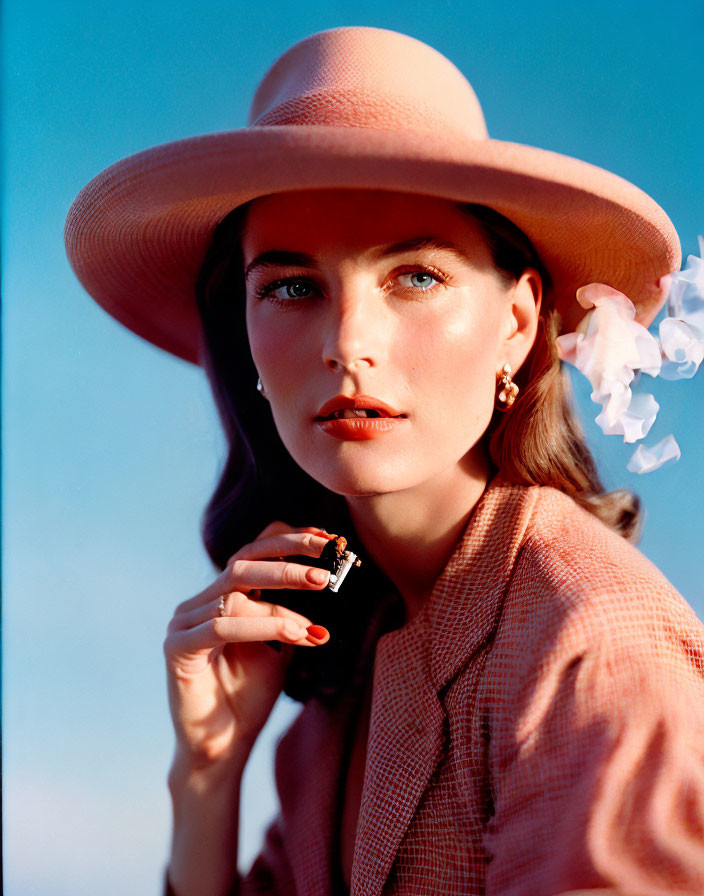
(260, 388)
(506, 389)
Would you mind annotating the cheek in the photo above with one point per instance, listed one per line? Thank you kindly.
(454, 352)
(279, 345)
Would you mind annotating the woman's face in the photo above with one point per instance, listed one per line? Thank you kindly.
(378, 323)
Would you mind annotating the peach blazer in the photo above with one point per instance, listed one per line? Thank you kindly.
(538, 728)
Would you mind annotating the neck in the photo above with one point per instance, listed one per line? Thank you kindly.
(411, 534)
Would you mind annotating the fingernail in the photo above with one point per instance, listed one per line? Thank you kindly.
(316, 633)
(317, 576)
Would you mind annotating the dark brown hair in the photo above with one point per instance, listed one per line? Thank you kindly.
(538, 442)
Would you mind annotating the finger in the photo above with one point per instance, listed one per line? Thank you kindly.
(277, 527)
(285, 544)
(253, 575)
(304, 542)
(244, 575)
(235, 604)
(236, 630)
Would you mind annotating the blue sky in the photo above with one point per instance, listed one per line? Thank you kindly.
(110, 447)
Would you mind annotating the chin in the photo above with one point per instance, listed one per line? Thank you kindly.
(365, 480)
(359, 477)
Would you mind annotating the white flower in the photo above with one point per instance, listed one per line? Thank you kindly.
(682, 331)
(645, 460)
(611, 349)
(686, 298)
(608, 347)
(637, 419)
(682, 349)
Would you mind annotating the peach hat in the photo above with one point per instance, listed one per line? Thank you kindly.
(358, 108)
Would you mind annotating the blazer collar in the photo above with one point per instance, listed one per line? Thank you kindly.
(464, 608)
(414, 663)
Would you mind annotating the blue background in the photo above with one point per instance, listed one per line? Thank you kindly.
(110, 447)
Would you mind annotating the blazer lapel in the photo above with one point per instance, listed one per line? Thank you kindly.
(314, 807)
(405, 745)
(311, 782)
(466, 604)
(412, 667)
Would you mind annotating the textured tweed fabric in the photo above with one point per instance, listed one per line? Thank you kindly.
(537, 729)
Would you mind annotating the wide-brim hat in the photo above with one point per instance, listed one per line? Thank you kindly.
(355, 108)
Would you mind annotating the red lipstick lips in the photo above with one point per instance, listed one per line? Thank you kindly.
(357, 419)
(359, 402)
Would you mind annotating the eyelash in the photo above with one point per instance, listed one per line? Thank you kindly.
(268, 289)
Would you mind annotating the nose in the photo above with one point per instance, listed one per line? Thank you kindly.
(353, 366)
(353, 341)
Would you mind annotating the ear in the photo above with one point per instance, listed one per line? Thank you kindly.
(522, 315)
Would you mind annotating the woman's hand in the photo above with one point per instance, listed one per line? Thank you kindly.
(223, 679)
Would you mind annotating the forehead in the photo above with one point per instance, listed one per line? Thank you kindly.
(353, 220)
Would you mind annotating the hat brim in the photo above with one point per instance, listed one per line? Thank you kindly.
(137, 234)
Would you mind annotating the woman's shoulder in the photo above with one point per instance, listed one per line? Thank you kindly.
(568, 548)
(579, 586)
(591, 703)
(590, 627)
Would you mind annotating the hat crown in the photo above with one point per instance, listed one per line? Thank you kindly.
(367, 77)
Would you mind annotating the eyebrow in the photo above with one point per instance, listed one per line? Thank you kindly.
(283, 258)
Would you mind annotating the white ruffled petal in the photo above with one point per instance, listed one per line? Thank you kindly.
(639, 417)
(608, 349)
(645, 460)
(567, 347)
(615, 397)
(612, 350)
(649, 357)
(682, 348)
(613, 339)
(686, 298)
(626, 414)
(596, 295)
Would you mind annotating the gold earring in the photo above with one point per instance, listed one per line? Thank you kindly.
(506, 389)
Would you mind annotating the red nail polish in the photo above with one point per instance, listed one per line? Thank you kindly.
(317, 633)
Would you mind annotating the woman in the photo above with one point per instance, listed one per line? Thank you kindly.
(506, 697)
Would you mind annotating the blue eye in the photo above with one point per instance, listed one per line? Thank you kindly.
(287, 290)
(421, 280)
